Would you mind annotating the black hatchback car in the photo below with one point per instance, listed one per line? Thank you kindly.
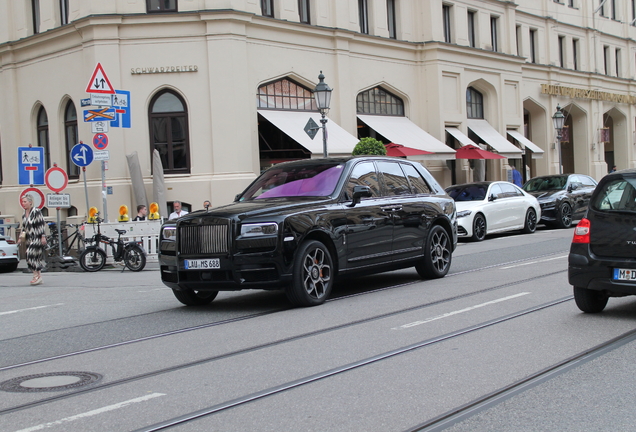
(602, 260)
(301, 224)
(563, 197)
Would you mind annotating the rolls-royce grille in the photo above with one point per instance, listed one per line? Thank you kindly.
(203, 239)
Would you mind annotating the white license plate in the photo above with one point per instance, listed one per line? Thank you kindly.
(202, 264)
(624, 274)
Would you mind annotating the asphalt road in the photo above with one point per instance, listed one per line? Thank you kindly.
(485, 349)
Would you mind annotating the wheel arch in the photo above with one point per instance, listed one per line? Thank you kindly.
(446, 224)
(325, 239)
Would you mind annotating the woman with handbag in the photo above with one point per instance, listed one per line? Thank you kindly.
(34, 236)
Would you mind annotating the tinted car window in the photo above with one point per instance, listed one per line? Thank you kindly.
(394, 179)
(496, 191)
(294, 181)
(363, 174)
(418, 184)
(467, 193)
(546, 183)
(509, 190)
(587, 181)
(618, 195)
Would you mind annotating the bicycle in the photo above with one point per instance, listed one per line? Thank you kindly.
(68, 242)
(93, 258)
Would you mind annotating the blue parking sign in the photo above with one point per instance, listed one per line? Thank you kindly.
(31, 165)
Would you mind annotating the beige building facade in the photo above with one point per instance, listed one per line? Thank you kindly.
(222, 88)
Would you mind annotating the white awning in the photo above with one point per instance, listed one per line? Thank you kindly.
(459, 136)
(401, 130)
(537, 152)
(292, 124)
(495, 140)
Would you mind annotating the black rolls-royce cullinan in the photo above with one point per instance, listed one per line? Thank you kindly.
(301, 224)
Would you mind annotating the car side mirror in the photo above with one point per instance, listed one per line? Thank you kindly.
(573, 187)
(360, 192)
(492, 197)
(236, 198)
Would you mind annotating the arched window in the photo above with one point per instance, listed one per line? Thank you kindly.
(70, 137)
(168, 119)
(474, 104)
(285, 94)
(379, 101)
(43, 136)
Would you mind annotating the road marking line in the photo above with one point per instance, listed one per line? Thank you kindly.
(533, 262)
(468, 309)
(156, 289)
(92, 413)
(29, 309)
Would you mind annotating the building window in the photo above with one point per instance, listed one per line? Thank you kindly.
(518, 39)
(575, 53)
(474, 104)
(379, 101)
(158, 6)
(390, 15)
(446, 18)
(494, 37)
(43, 136)
(168, 118)
(35, 14)
(633, 13)
(601, 8)
(63, 12)
(571, 3)
(618, 62)
(285, 94)
(533, 46)
(614, 11)
(606, 59)
(471, 28)
(561, 51)
(267, 8)
(303, 11)
(363, 16)
(71, 137)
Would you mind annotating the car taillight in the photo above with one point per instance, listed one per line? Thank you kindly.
(10, 241)
(582, 232)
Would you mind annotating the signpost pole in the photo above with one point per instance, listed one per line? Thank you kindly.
(85, 189)
(59, 230)
(105, 201)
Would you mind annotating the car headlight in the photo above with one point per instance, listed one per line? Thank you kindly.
(463, 213)
(169, 232)
(259, 229)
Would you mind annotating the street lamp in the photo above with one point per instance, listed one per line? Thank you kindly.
(322, 93)
(558, 119)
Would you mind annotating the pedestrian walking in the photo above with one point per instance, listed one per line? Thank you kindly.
(516, 177)
(34, 236)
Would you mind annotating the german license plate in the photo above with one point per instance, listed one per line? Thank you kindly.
(624, 274)
(202, 264)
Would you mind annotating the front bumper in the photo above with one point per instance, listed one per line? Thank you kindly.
(585, 270)
(549, 212)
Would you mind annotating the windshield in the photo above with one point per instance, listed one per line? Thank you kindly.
(468, 192)
(295, 180)
(546, 183)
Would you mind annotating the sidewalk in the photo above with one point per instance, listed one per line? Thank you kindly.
(22, 267)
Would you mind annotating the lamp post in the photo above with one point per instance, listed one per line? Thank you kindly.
(322, 93)
(557, 120)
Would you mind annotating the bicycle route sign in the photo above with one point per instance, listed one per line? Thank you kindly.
(58, 200)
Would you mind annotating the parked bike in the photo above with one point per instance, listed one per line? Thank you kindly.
(72, 242)
(93, 258)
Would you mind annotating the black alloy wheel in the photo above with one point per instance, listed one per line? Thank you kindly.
(531, 222)
(590, 301)
(437, 254)
(191, 297)
(479, 227)
(313, 275)
(565, 216)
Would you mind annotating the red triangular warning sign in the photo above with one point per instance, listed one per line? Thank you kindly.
(99, 82)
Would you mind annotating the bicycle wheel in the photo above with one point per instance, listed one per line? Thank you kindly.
(92, 259)
(135, 259)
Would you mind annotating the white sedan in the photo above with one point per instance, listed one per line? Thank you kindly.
(492, 207)
(9, 257)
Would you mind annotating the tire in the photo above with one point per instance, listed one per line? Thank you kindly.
(479, 227)
(565, 216)
(531, 222)
(92, 259)
(590, 301)
(135, 258)
(437, 254)
(313, 275)
(195, 298)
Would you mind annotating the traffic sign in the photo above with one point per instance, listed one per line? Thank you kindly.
(99, 82)
(58, 200)
(31, 165)
(85, 102)
(101, 155)
(81, 155)
(99, 126)
(121, 103)
(56, 179)
(38, 196)
(100, 141)
(104, 100)
(99, 114)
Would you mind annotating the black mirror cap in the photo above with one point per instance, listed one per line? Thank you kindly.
(360, 192)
